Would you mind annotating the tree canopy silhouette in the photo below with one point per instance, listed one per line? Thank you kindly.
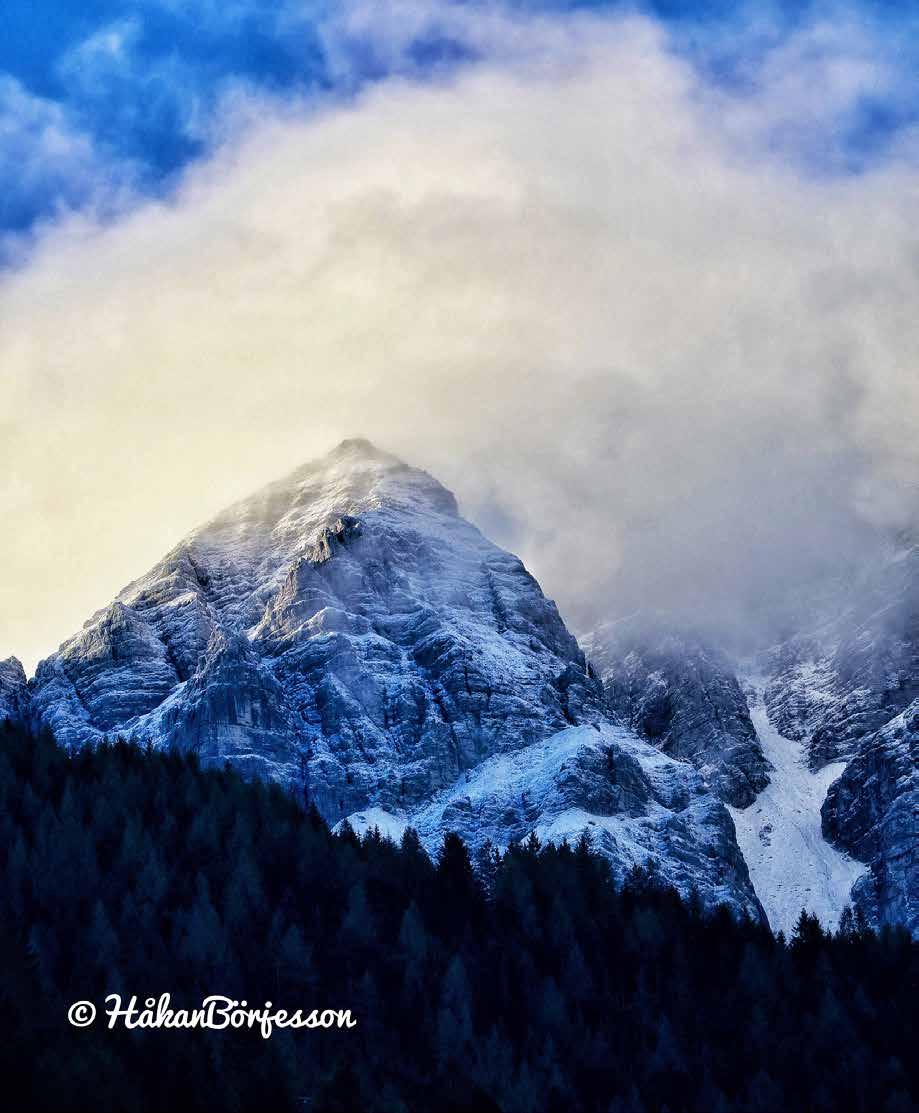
(527, 981)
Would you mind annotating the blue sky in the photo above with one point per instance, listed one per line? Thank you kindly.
(102, 98)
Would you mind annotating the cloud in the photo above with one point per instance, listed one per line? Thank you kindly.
(654, 356)
(53, 165)
(826, 94)
(132, 96)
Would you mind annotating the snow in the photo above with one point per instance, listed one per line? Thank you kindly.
(791, 864)
(633, 839)
(656, 808)
(526, 770)
(389, 826)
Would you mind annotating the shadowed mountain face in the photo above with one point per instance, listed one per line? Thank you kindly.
(14, 691)
(347, 633)
(856, 668)
(683, 696)
(872, 811)
(839, 699)
(848, 689)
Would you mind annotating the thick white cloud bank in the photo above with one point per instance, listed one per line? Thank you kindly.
(591, 293)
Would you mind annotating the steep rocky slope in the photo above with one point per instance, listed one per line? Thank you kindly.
(834, 705)
(846, 688)
(873, 811)
(14, 691)
(856, 666)
(346, 632)
(683, 696)
(346, 619)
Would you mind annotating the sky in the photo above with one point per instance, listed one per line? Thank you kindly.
(638, 282)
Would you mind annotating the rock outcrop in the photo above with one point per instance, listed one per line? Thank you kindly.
(856, 668)
(635, 803)
(847, 688)
(14, 690)
(683, 696)
(872, 811)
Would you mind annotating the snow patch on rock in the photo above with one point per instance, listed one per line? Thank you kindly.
(636, 804)
(389, 826)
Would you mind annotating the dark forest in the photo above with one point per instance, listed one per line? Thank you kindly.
(523, 980)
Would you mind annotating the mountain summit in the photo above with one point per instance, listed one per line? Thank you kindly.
(342, 618)
(347, 633)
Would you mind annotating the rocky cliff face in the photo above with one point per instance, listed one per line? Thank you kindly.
(14, 691)
(872, 811)
(847, 689)
(840, 695)
(347, 633)
(684, 697)
(855, 668)
(635, 803)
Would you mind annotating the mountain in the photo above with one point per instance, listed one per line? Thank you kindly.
(347, 633)
(847, 689)
(811, 743)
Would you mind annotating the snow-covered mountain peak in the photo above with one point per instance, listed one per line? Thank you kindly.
(354, 547)
(351, 479)
(346, 632)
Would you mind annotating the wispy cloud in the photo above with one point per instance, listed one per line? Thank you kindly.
(139, 102)
(52, 166)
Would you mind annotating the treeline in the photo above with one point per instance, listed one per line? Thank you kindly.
(522, 981)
